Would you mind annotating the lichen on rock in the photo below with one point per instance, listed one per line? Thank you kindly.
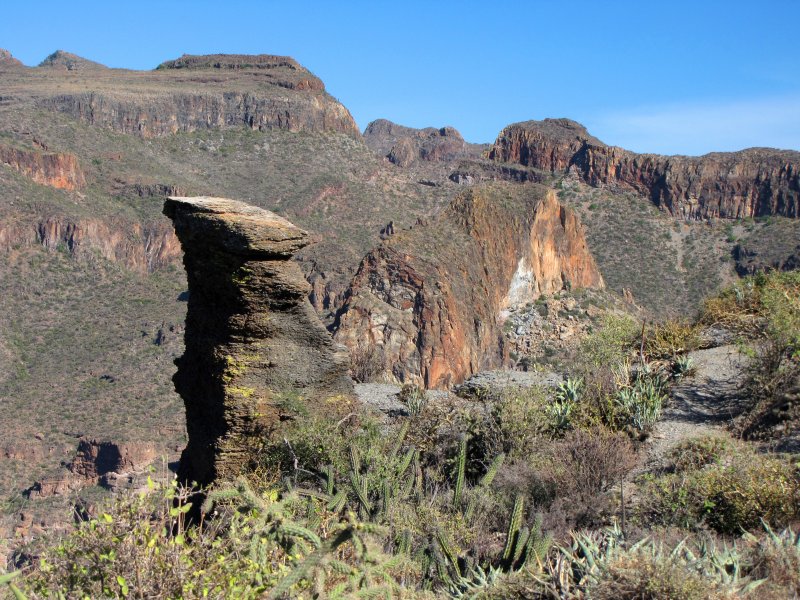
(252, 337)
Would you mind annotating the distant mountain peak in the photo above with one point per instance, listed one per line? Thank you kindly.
(69, 62)
(7, 59)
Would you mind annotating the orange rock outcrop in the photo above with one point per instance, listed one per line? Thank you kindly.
(431, 299)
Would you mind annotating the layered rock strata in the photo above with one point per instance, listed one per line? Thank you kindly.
(750, 183)
(255, 348)
(432, 299)
(166, 114)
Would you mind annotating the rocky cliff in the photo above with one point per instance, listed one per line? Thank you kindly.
(432, 299)
(69, 62)
(749, 183)
(405, 145)
(166, 114)
(57, 170)
(141, 247)
(7, 60)
(255, 349)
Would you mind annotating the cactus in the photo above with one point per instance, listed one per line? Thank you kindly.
(448, 552)
(484, 482)
(387, 498)
(359, 487)
(337, 502)
(461, 464)
(401, 437)
(329, 480)
(538, 544)
(404, 544)
(513, 531)
(312, 561)
(294, 530)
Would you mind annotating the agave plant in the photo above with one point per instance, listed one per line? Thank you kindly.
(682, 365)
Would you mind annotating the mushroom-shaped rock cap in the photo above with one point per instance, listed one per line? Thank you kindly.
(234, 226)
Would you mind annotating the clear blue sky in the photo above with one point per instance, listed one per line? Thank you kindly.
(669, 77)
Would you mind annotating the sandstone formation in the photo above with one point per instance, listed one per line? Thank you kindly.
(255, 349)
(60, 171)
(749, 260)
(432, 299)
(749, 183)
(98, 462)
(405, 145)
(172, 113)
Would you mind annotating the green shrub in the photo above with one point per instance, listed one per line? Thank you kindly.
(730, 492)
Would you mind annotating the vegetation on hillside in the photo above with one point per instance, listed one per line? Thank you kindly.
(515, 493)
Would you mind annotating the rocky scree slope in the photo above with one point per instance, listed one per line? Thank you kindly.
(430, 299)
(750, 183)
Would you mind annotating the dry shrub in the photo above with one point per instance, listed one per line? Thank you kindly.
(640, 575)
(735, 494)
(367, 363)
(588, 462)
(696, 453)
(671, 338)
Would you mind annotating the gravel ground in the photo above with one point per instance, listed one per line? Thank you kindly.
(701, 404)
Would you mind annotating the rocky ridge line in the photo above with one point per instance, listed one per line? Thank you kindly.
(734, 185)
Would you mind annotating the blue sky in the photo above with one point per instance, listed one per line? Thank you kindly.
(669, 77)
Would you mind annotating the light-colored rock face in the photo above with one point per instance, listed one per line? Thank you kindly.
(431, 299)
(750, 183)
(254, 345)
(56, 170)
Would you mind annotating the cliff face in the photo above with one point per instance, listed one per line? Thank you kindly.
(749, 183)
(141, 247)
(56, 170)
(431, 299)
(254, 345)
(165, 114)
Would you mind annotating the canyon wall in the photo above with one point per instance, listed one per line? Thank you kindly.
(56, 170)
(256, 351)
(164, 114)
(141, 247)
(750, 183)
(431, 299)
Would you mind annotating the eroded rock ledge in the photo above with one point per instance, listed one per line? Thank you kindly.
(255, 349)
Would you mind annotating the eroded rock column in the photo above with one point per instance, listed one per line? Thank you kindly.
(256, 353)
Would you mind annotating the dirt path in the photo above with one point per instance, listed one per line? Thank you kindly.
(701, 404)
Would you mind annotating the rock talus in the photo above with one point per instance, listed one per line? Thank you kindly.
(255, 349)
